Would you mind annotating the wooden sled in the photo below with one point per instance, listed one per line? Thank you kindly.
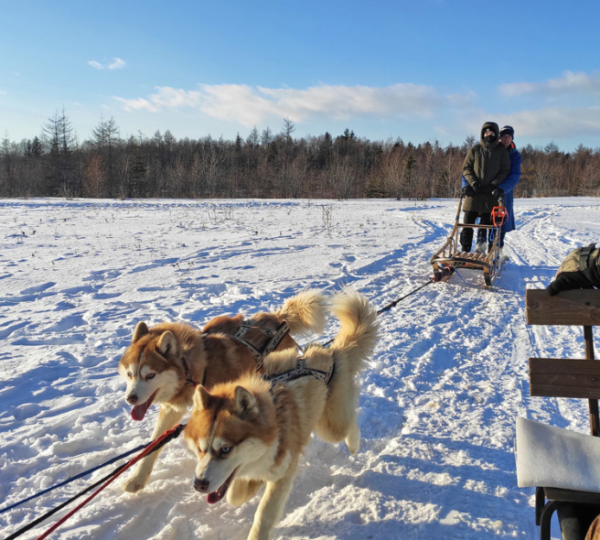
(450, 256)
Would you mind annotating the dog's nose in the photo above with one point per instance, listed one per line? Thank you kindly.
(201, 485)
(132, 399)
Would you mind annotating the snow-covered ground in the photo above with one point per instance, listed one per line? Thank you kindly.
(438, 403)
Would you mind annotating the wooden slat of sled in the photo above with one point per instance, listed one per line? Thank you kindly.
(572, 308)
(556, 377)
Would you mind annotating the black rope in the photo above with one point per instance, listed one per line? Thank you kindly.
(45, 516)
(391, 304)
(73, 478)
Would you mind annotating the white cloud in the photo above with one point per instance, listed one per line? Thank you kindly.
(569, 83)
(252, 105)
(557, 122)
(547, 123)
(117, 64)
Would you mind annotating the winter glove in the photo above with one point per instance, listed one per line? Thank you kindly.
(498, 193)
(565, 281)
(468, 191)
(481, 190)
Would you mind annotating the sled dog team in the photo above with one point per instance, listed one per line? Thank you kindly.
(253, 410)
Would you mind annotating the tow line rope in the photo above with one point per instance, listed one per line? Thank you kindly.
(151, 447)
(392, 304)
(73, 478)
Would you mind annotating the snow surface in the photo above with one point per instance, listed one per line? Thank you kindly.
(438, 403)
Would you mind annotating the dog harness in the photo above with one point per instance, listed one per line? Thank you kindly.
(188, 374)
(275, 338)
(300, 370)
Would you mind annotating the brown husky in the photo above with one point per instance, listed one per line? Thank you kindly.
(164, 363)
(250, 433)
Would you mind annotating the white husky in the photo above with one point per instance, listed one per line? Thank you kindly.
(251, 432)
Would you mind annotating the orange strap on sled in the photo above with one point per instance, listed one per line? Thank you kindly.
(499, 215)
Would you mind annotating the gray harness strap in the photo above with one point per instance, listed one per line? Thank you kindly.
(239, 335)
(276, 337)
(274, 340)
(300, 371)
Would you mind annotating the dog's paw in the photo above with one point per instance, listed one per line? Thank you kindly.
(134, 484)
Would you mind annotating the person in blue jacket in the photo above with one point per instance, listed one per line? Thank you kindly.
(507, 134)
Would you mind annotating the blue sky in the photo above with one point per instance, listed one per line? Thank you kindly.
(422, 70)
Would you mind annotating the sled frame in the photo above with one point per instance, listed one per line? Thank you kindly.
(450, 256)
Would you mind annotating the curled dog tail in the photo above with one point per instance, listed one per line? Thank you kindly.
(357, 336)
(306, 312)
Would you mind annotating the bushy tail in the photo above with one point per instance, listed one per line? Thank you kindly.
(357, 336)
(306, 312)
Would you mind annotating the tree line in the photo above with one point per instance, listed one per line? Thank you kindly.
(264, 165)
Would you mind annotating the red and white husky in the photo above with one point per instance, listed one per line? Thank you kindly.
(251, 432)
(163, 363)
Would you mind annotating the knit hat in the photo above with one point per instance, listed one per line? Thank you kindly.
(507, 130)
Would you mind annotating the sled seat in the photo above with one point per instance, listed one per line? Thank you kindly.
(563, 466)
(472, 255)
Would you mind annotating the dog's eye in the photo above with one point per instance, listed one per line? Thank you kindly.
(225, 450)
(150, 376)
(129, 374)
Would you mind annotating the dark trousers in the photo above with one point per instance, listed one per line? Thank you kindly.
(466, 235)
(575, 521)
(482, 236)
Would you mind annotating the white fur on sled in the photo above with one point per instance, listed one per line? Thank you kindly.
(549, 456)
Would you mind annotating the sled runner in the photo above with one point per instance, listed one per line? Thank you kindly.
(450, 256)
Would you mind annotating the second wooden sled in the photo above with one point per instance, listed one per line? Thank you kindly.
(451, 257)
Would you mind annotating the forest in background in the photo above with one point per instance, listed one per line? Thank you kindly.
(264, 165)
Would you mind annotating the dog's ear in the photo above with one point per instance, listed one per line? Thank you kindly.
(167, 343)
(140, 331)
(245, 402)
(201, 398)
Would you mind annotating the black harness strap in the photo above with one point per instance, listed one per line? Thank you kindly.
(585, 257)
(301, 371)
(188, 374)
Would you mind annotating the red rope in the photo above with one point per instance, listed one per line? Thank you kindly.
(133, 461)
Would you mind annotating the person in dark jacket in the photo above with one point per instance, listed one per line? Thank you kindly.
(486, 166)
(507, 134)
(580, 270)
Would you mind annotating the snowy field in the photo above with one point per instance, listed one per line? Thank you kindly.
(438, 402)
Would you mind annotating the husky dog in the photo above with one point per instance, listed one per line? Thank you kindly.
(251, 432)
(164, 363)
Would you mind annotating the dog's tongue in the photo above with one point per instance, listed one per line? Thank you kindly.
(216, 496)
(139, 411)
